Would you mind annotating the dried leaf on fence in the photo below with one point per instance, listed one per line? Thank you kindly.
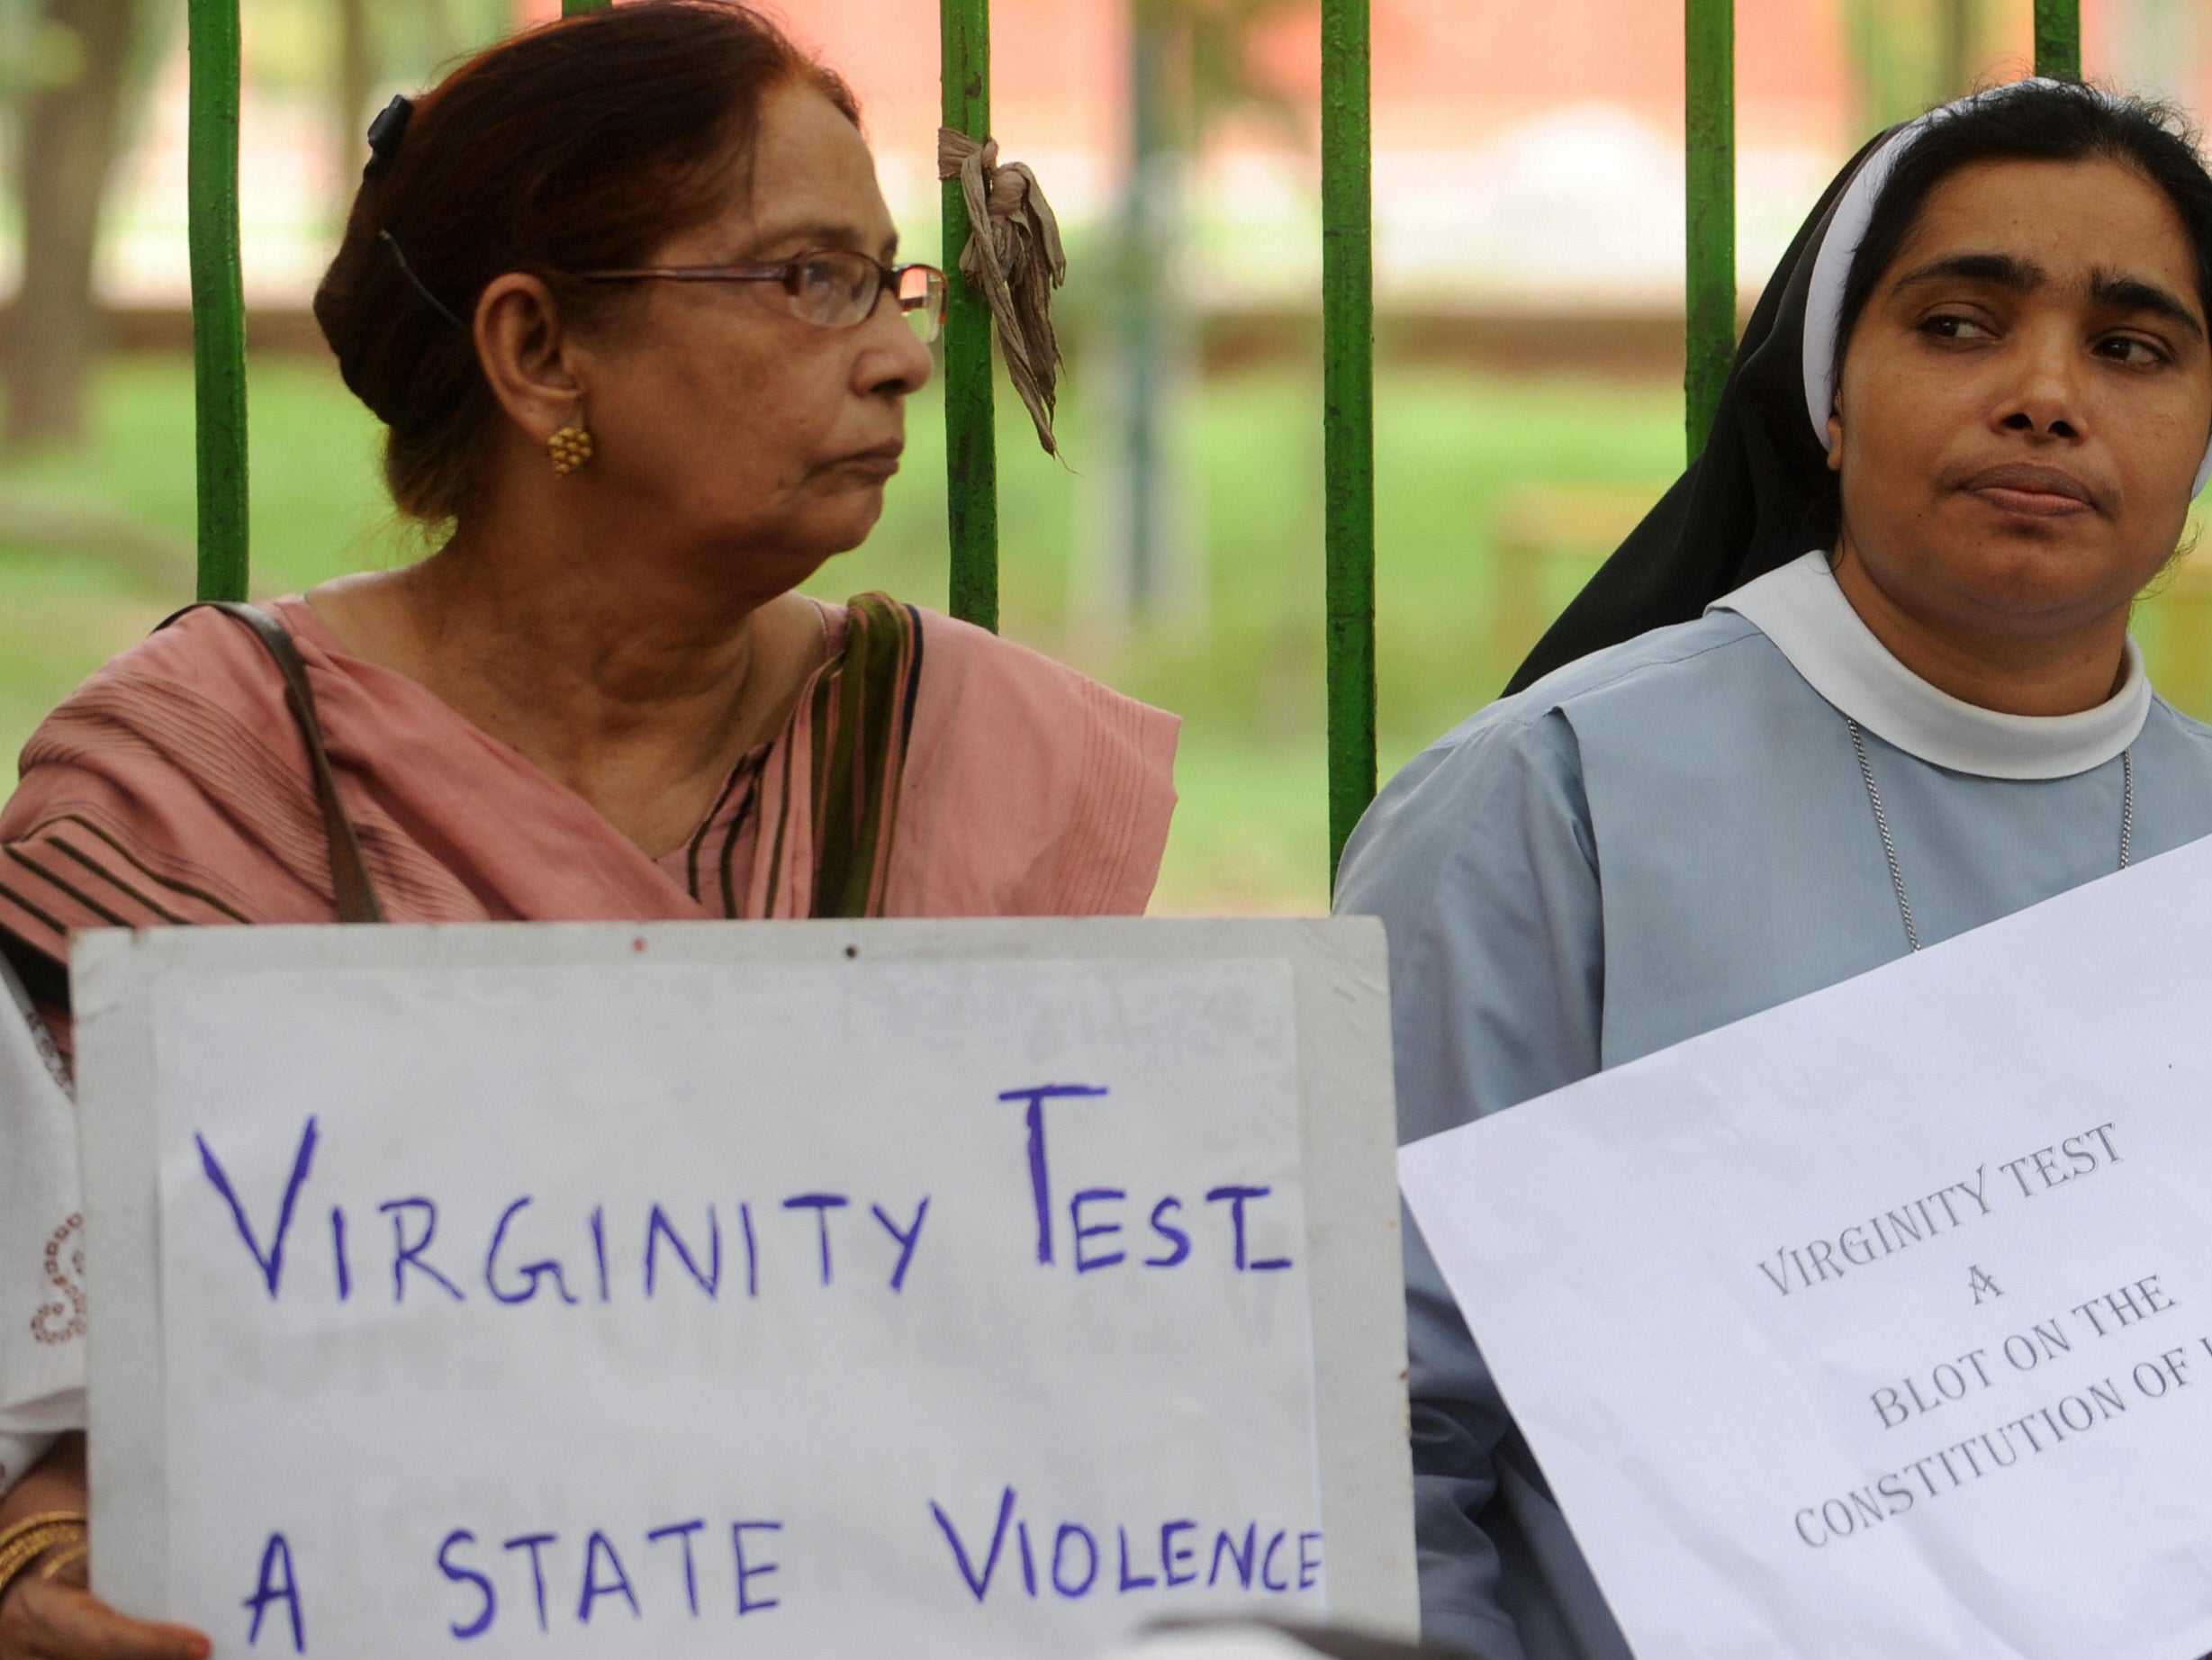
(1014, 259)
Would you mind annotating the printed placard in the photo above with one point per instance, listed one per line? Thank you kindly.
(1878, 1323)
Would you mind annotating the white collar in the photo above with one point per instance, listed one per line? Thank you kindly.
(1800, 609)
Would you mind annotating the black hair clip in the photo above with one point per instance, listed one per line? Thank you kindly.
(386, 131)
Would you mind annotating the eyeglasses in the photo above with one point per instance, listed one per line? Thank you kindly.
(832, 287)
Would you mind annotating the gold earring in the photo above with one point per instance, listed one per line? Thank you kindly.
(569, 448)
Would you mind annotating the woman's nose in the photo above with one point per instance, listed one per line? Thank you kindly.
(896, 359)
(2046, 398)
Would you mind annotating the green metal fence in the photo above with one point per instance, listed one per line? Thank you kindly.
(1348, 412)
(970, 442)
(1347, 321)
(1709, 211)
(218, 299)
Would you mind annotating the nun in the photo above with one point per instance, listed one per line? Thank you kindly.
(1862, 681)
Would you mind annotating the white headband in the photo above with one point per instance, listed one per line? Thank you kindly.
(1847, 229)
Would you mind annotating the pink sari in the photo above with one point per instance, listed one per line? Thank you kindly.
(930, 769)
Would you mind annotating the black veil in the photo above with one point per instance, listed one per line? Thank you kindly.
(1759, 496)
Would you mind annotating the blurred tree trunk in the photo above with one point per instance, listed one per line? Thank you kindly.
(356, 74)
(71, 128)
(1957, 49)
(1191, 61)
(1149, 213)
(1908, 55)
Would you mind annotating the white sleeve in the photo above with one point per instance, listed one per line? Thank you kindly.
(42, 1242)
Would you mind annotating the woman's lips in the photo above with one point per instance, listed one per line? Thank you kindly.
(2035, 492)
(879, 463)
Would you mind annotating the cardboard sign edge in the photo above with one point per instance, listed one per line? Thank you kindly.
(1348, 1137)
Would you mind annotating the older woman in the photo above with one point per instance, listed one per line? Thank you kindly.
(622, 291)
(1979, 390)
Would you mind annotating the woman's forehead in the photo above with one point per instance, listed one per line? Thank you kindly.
(811, 167)
(2066, 217)
(808, 183)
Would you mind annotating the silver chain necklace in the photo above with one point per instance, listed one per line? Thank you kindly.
(1889, 844)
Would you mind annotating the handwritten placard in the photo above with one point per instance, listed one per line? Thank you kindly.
(1880, 1324)
(711, 1291)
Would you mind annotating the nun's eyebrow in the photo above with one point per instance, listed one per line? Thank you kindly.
(2021, 276)
(2001, 270)
(2132, 294)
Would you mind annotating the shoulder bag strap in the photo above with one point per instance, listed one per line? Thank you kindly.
(350, 876)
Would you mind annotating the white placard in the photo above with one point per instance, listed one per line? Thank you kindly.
(794, 1290)
(1877, 1323)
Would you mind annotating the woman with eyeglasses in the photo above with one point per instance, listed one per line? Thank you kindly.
(625, 294)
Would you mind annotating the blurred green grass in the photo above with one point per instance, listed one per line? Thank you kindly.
(1240, 660)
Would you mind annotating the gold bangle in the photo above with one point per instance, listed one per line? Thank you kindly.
(14, 1563)
(31, 1546)
(44, 1520)
(24, 1543)
(64, 1560)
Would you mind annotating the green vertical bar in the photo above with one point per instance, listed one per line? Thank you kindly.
(218, 298)
(1709, 210)
(2058, 39)
(971, 444)
(1348, 422)
(577, 8)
